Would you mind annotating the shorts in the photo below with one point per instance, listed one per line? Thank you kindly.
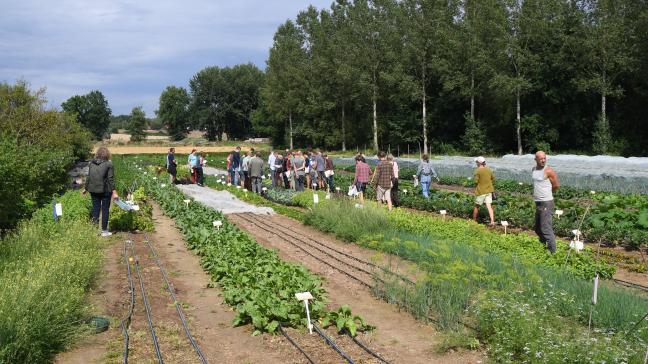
(383, 194)
(361, 186)
(485, 198)
(321, 174)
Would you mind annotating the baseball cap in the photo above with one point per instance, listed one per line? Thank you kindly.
(480, 159)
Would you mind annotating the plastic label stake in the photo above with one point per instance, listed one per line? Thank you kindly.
(559, 213)
(217, 224)
(315, 198)
(58, 209)
(305, 296)
(595, 293)
(505, 224)
(443, 213)
(187, 202)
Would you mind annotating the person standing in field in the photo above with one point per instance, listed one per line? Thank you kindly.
(362, 172)
(545, 183)
(383, 177)
(299, 168)
(256, 171)
(313, 170)
(484, 191)
(279, 165)
(235, 166)
(271, 164)
(394, 190)
(199, 168)
(320, 167)
(245, 168)
(171, 166)
(424, 174)
(328, 172)
(192, 160)
(101, 185)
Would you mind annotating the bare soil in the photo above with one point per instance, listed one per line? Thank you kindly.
(398, 336)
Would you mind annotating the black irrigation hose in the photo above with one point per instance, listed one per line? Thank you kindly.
(373, 353)
(630, 284)
(125, 323)
(315, 247)
(169, 287)
(333, 345)
(147, 308)
(319, 259)
(402, 277)
(310, 360)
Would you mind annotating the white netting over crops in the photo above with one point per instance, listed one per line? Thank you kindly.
(600, 173)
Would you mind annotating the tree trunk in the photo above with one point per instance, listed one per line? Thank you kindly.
(425, 141)
(472, 96)
(603, 106)
(519, 122)
(343, 131)
(375, 113)
(291, 129)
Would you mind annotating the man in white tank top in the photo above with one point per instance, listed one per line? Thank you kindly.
(545, 183)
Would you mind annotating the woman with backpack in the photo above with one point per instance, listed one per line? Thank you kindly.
(424, 174)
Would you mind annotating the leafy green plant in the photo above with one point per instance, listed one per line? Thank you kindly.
(345, 321)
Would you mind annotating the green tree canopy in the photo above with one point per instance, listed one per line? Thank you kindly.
(174, 111)
(91, 111)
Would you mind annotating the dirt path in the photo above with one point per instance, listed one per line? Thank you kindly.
(399, 337)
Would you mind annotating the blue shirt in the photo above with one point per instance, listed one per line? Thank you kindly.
(320, 163)
(193, 160)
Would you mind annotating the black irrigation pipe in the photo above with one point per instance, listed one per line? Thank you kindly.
(147, 308)
(250, 216)
(319, 259)
(402, 277)
(125, 323)
(285, 334)
(373, 353)
(333, 345)
(630, 284)
(169, 287)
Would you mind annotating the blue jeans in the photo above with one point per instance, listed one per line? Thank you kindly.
(425, 185)
(233, 176)
(330, 184)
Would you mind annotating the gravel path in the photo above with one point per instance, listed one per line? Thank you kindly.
(222, 201)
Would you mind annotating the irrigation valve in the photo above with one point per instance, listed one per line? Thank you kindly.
(559, 213)
(305, 296)
(505, 224)
(217, 224)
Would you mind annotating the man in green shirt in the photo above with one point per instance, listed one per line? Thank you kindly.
(484, 192)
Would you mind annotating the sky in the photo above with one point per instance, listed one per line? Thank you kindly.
(132, 50)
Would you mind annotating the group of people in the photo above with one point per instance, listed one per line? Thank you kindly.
(314, 169)
(296, 170)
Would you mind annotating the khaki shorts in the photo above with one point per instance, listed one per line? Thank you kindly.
(487, 198)
(383, 194)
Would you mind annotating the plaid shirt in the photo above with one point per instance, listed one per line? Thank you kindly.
(384, 174)
(362, 172)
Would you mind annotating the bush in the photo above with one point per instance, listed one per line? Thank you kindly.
(37, 146)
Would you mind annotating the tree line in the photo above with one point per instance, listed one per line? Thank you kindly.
(477, 75)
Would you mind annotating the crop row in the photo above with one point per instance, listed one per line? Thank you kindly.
(498, 283)
(46, 269)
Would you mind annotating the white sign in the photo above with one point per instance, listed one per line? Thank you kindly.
(217, 223)
(58, 208)
(315, 198)
(305, 296)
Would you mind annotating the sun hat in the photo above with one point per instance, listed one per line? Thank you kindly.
(480, 159)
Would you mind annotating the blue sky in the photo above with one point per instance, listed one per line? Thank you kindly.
(132, 50)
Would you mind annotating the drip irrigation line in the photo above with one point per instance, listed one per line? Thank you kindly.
(126, 321)
(405, 279)
(317, 248)
(365, 348)
(285, 334)
(630, 284)
(312, 255)
(147, 308)
(179, 310)
(333, 345)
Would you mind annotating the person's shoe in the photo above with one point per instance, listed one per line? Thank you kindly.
(106, 233)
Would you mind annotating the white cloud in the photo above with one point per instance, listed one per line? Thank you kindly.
(133, 48)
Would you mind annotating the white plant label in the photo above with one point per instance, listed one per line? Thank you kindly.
(59, 209)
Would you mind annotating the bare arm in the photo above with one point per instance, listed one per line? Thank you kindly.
(553, 178)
